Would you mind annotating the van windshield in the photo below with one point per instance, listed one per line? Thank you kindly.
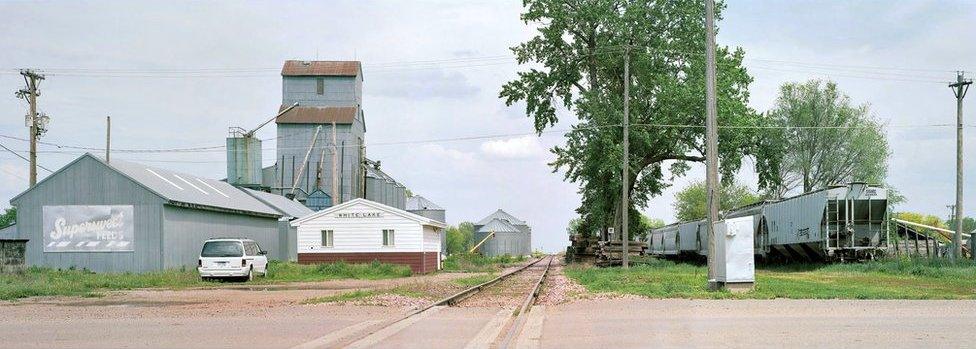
(222, 249)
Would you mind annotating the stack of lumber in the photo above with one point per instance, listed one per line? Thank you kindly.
(611, 252)
(582, 249)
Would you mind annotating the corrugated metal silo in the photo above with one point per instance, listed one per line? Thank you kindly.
(512, 235)
(243, 159)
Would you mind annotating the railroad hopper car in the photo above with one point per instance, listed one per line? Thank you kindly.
(845, 222)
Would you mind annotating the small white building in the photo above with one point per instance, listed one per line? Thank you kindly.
(361, 231)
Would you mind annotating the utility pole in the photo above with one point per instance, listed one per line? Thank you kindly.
(959, 89)
(625, 192)
(108, 137)
(711, 139)
(34, 123)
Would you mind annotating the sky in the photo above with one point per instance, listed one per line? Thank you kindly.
(179, 74)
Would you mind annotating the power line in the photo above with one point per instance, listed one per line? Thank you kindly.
(468, 62)
(24, 158)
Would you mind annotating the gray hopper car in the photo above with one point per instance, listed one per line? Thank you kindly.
(845, 222)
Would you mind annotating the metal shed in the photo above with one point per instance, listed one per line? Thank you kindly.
(123, 216)
(512, 235)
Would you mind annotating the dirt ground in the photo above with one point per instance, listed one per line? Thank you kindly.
(233, 315)
(565, 316)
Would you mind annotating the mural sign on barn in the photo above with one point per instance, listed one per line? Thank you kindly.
(97, 228)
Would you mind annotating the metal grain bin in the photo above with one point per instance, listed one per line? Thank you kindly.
(512, 235)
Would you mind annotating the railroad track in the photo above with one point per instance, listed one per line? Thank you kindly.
(515, 323)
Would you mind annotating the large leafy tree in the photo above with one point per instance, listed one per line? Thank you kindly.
(826, 138)
(579, 54)
(691, 202)
(460, 238)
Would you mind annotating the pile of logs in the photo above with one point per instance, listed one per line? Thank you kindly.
(589, 249)
(611, 252)
(582, 249)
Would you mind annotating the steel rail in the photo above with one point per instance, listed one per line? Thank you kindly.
(449, 300)
(522, 313)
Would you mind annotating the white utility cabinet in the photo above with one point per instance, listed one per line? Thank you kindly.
(734, 251)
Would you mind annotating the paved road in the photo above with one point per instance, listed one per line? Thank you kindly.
(618, 323)
(642, 323)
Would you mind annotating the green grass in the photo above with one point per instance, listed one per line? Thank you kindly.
(886, 279)
(476, 263)
(292, 272)
(364, 294)
(471, 281)
(72, 282)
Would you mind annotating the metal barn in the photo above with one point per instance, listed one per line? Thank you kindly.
(512, 235)
(121, 216)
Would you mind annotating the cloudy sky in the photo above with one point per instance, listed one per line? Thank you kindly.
(178, 75)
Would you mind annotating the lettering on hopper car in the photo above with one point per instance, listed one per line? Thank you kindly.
(359, 215)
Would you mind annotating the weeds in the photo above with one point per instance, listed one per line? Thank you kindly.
(901, 278)
(35, 281)
(476, 263)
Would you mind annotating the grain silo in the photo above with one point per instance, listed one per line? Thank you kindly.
(243, 159)
(512, 235)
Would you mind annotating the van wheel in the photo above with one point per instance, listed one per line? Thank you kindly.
(250, 274)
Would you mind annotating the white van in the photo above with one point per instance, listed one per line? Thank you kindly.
(232, 258)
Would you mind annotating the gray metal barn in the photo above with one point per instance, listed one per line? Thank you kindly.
(123, 216)
(512, 235)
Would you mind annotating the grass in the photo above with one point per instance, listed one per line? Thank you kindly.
(884, 279)
(36, 281)
(471, 281)
(476, 263)
(363, 294)
(292, 272)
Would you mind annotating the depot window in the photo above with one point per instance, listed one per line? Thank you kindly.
(326, 238)
(388, 237)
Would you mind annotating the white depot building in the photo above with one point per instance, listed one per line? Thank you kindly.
(361, 231)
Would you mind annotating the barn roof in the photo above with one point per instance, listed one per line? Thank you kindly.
(321, 68)
(503, 216)
(418, 203)
(189, 190)
(286, 206)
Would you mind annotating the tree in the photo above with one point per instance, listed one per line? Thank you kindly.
(9, 217)
(921, 218)
(691, 202)
(459, 238)
(968, 224)
(826, 139)
(580, 46)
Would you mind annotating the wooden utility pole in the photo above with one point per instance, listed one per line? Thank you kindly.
(959, 88)
(30, 93)
(711, 139)
(625, 167)
(335, 169)
(108, 137)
